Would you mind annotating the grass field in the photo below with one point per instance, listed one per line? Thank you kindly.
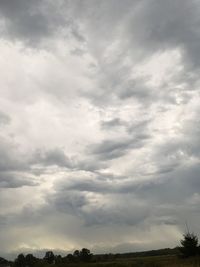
(160, 261)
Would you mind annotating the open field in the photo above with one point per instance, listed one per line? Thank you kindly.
(160, 261)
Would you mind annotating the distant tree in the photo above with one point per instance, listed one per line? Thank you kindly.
(30, 260)
(76, 254)
(3, 261)
(70, 257)
(189, 246)
(85, 255)
(49, 257)
(58, 259)
(20, 261)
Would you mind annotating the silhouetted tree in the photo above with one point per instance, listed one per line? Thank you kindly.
(85, 255)
(20, 261)
(49, 257)
(58, 259)
(189, 245)
(70, 257)
(76, 255)
(3, 261)
(30, 260)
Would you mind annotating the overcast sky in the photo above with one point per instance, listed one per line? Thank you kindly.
(99, 124)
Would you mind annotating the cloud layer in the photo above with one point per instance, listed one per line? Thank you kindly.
(99, 124)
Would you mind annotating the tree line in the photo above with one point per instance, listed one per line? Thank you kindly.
(189, 247)
(84, 255)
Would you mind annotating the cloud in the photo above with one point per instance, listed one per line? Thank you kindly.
(165, 26)
(4, 119)
(52, 157)
(9, 159)
(15, 180)
(110, 124)
(35, 21)
(110, 149)
(99, 123)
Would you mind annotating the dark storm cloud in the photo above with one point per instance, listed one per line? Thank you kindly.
(166, 25)
(184, 178)
(24, 19)
(16, 180)
(101, 183)
(90, 165)
(52, 157)
(68, 200)
(14, 167)
(34, 21)
(13, 170)
(57, 157)
(158, 199)
(110, 149)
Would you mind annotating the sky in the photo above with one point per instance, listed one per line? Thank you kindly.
(99, 124)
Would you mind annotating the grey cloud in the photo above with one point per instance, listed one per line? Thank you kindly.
(142, 204)
(133, 127)
(164, 194)
(78, 52)
(57, 157)
(176, 152)
(156, 128)
(150, 27)
(52, 157)
(140, 126)
(71, 200)
(116, 215)
(110, 124)
(34, 21)
(4, 118)
(90, 165)
(136, 89)
(15, 180)
(110, 149)
(9, 158)
(174, 188)
(166, 25)
(26, 21)
(14, 167)
(90, 185)
(68, 202)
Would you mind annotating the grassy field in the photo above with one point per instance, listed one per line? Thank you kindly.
(161, 261)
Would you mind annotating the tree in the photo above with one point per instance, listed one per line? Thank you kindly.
(189, 245)
(49, 257)
(3, 261)
(70, 257)
(76, 255)
(85, 255)
(20, 261)
(30, 260)
(58, 259)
